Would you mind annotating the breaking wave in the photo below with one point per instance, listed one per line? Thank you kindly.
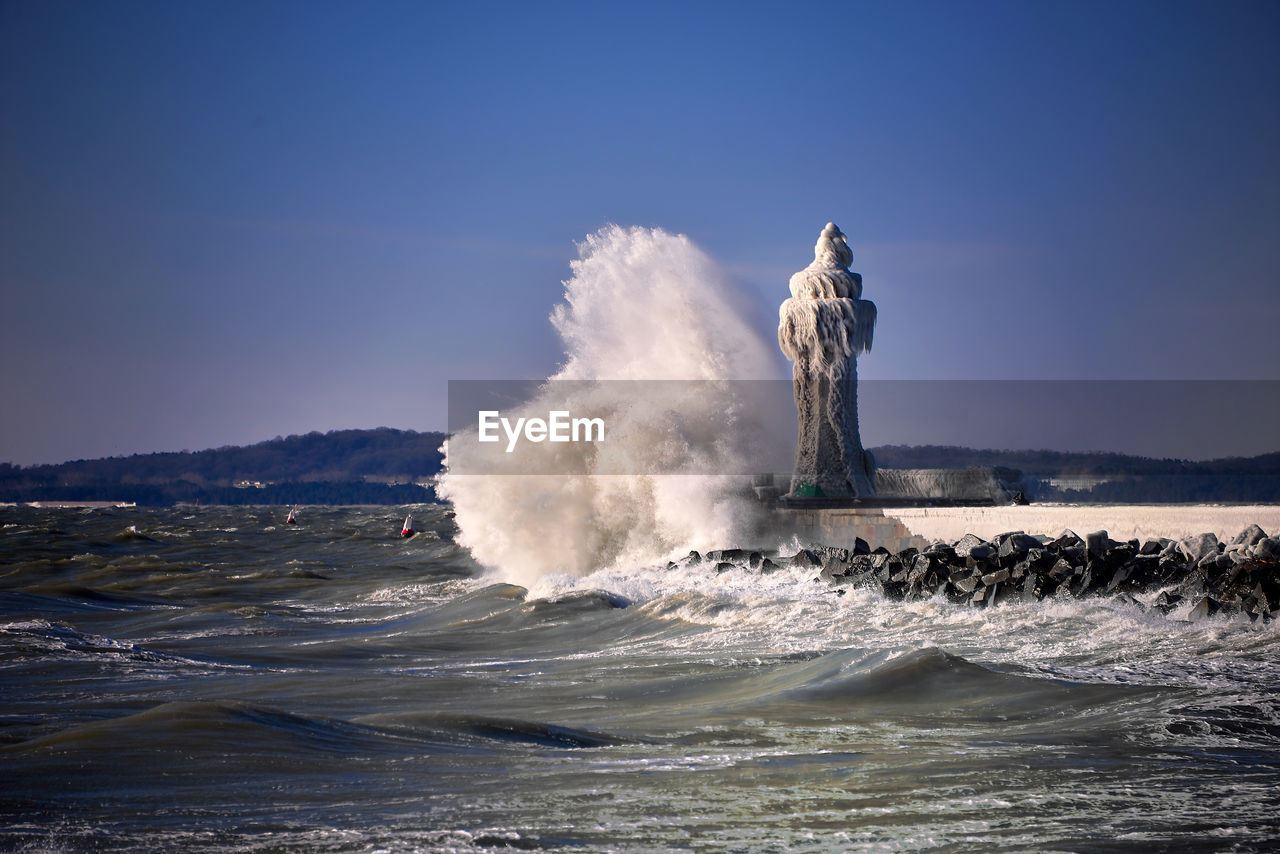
(642, 304)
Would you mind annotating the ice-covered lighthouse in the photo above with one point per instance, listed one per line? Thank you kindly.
(822, 328)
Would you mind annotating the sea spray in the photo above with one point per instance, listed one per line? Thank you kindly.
(642, 304)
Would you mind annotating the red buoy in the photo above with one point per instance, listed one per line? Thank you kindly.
(407, 530)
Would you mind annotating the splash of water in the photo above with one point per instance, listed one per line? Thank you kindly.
(642, 304)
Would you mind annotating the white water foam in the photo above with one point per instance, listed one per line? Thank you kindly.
(642, 304)
(1100, 639)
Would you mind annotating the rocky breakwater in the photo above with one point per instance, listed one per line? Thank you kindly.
(1192, 578)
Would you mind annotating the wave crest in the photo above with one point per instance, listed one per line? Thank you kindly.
(642, 304)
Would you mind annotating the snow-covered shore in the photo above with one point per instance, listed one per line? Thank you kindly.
(1121, 522)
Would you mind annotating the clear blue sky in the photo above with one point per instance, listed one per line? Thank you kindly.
(223, 221)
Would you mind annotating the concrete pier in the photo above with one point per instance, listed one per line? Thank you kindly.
(842, 526)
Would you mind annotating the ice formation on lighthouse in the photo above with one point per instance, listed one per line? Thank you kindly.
(823, 328)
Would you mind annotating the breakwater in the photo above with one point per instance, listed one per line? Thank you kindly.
(1193, 577)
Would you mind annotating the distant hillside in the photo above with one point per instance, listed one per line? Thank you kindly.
(381, 466)
(386, 466)
(1106, 477)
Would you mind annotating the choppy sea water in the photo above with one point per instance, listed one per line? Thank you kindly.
(213, 680)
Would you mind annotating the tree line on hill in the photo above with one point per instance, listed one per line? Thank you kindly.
(387, 466)
(380, 466)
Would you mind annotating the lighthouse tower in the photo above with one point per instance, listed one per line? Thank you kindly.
(822, 329)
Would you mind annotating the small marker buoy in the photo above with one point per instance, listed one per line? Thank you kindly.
(291, 520)
(407, 530)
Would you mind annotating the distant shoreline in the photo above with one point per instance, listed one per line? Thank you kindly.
(72, 505)
(385, 466)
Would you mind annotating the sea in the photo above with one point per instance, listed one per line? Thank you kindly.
(530, 671)
(211, 679)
